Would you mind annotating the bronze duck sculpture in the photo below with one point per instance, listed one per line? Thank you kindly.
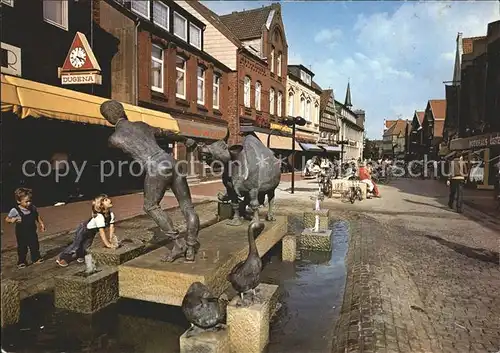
(202, 309)
(245, 276)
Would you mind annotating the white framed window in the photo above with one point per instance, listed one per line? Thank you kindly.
(305, 77)
(271, 59)
(140, 7)
(303, 107)
(195, 36)
(258, 95)
(180, 26)
(55, 12)
(8, 2)
(216, 91)
(316, 113)
(272, 98)
(161, 14)
(180, 66)
(200, 84)
(279, 110)
(291, 104)
(308, 110)
(278, 65)
(157, 68)
(246, 91)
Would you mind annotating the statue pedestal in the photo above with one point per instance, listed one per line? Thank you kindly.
(224, 211)
(115, 257)
(84, 294)
(11, 302)
(206, 341)
(249, 326)
(289, 248)
(320, 241)
(310, 218)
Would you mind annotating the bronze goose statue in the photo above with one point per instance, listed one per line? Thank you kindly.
(202, 309)
(245, 276)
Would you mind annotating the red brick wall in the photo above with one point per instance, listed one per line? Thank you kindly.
(168, 99)
(232, 115)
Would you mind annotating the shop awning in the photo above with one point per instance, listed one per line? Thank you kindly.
(332, 148)
(310, 147)
(27, 98)
(264, 138)
(198, 129)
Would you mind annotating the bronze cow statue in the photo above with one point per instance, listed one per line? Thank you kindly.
(250, 173)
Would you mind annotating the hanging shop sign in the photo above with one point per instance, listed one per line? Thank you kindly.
(80, 66)
(473, 142)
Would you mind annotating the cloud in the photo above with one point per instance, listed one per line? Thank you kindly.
(449, 56)
(327, 35)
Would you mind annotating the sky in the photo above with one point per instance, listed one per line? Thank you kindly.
(396, 55)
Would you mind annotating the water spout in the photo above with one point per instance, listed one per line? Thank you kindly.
(316, 224)
(90, 266)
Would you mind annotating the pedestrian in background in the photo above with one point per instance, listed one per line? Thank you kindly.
(25, 216)
(102, 218)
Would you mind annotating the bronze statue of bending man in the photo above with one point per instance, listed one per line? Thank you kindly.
(137, 139)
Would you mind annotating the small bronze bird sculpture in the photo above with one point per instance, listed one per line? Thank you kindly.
(202, 309)
(245, 276)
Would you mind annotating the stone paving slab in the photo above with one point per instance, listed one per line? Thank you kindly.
(38, 278)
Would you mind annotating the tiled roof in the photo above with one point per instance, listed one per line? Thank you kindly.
(438, 128)
(420, 117)
(247, 24)
(316, 86)
(389, 123)
(397, 128)
(325, 97)
(438, 108)
(468, 44)
(215, 20)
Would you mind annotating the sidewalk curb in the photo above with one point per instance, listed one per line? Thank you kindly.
(205, 200)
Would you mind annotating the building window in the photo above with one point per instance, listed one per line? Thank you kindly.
(290, 104)
(181, 77)
(160, 14)
(8, 2)
(280, 102)
(246, 91)
(216, 91)
(140, 7)
(55, 12)
(201, 85)
(258, 95)
(157, 68)
(271, 64)
(308, 110)
(271, 101)
(278, 65)
(305, 77)
(195, 36)
(303, 107)
(316, 113)
(180, 26)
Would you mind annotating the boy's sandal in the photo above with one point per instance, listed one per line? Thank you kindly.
(39, 261)
(80, 260)
(21, 266)
(61, 263)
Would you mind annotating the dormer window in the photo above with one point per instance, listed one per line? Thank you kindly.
(195, 36)
(180, 26)
(140, 7)
(305, 77)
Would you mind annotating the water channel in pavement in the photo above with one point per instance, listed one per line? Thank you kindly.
(311, 293)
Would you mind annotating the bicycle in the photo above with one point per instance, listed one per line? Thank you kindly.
(353, 192)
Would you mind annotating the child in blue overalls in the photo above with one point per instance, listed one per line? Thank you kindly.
(25, 216)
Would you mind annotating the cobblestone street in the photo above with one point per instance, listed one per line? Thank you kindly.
(421, 278)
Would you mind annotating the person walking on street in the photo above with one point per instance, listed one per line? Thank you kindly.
(456, 179)
(25, 216)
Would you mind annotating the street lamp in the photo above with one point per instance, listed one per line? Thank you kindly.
(292, 122)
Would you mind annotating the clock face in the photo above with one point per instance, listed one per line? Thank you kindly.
(77, 57)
